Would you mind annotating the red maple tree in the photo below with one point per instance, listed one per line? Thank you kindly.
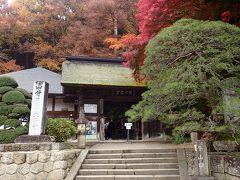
(154, 15)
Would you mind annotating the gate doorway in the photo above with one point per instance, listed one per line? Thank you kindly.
(115, 115)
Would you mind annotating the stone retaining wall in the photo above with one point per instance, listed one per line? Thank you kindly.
(222, 165)
(37, 165)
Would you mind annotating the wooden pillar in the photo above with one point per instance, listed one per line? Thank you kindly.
(81, 114)
(53, 103)
(102, 120)
(145, 130)
(81, 121)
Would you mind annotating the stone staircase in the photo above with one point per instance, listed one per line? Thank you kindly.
(133, 164)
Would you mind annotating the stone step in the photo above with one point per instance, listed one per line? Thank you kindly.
(129, 177)
(131, 160)
(128, 171)
(131, 155)
(107, 151)
(131, 166)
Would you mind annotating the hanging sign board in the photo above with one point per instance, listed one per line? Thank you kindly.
(128, 125)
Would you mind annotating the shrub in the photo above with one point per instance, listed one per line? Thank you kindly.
(61, 129)
(28, 102)
(5, 89)
(12, 123)
(14, 116)
(2, 119)
(3, 104)
(12, 97)
(24, 92)
(8, 136)
(21, 109)
(8, 81)
(180, 138)
(6, 109)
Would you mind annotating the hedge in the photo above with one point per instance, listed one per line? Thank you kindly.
(24, 92)
(21, 109)
(2, 119)
(5, 89)
(8, 81)
(8, 136)
(12, 97)
(12, 123)
(6, 109)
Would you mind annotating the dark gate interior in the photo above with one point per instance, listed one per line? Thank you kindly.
(115, 112)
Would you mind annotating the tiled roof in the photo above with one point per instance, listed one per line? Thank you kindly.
(100, 73)
(25, 79)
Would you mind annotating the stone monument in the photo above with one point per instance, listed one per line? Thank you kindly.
(38, 108)
(38, 115)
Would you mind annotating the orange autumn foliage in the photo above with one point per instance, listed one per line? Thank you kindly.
(9, 66)
(50, 64)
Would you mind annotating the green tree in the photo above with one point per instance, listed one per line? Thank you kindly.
(189, 66)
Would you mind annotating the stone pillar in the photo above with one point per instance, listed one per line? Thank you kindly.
(81, 137)
(38, 108)
(194, 137)
(38, 115)
(202, 157)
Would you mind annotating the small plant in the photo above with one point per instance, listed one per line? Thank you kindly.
(61, 129)
(180, 138)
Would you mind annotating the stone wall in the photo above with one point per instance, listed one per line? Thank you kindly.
(37, 164)
(222, 165)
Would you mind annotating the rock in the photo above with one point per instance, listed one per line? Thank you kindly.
(69, 163)
(60, 146)
(29, 176)
(41, 176)
(57, 156)
(44, 156)
(229, 146)
(57, 174)
(8, 148)
(48, 166)
(33, 147)
(1, 148)
(36, 167)
(16, 177)
(2, 169)
(7, 158)
(31, 157)
(11, 169)
(25, 147)
(60, 165)
(45, 146)
(23, 168)
(16, 147)
(19, 158)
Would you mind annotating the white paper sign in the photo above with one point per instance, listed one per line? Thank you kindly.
(128, 125)
(90, 108)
